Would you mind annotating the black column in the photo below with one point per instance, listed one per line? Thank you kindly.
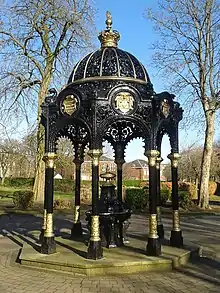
(119, 160)
(48, 243)
(95, 248)
(176, 238)
(45, 209)
(160, 229)
(76, 230)
(153, 245)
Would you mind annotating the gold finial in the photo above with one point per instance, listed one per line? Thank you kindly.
(108, 20)
(109, 37)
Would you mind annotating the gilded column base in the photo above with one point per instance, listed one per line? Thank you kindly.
(41, 237)
(176, 239)
(95, 250)
(48, 245)
(160, 231)
(153, 247)
(76, 230)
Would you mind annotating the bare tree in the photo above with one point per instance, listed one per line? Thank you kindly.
(39, 38)
(188, 51)
(9, 149)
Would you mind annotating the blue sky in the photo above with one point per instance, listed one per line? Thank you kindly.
(137, 36)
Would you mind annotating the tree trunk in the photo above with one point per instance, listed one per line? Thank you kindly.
(206, 160)
(39, 181)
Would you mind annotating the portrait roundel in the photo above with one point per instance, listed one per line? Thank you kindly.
(124, 102)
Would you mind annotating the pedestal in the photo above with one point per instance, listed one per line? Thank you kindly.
(160, 231)
(153, 247)
(76, 230)
(94, 250)
(176, 239)
(48, 245)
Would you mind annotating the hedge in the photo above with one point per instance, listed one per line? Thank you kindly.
(136, 198)
(23, 199)
(19, 182)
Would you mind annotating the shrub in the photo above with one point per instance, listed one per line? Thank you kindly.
(62, 204)
(166, 185)
(190, 189)
(23, 199)
(185, 200)
(135, 183)
(19, 182)
(165, 194)
(136, 198)
(212, 187)
(64, 185)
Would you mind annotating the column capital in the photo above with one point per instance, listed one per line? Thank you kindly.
(49, 159)
(152, 156)
(95, 154)
(159, 160)
(174, 158)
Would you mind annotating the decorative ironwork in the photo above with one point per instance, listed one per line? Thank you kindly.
(76, 216)
(49, 159)
(176, 220)
(124, 102)
(152, 157)
(70, 105)
(49, 226)
(109, 37)
(109, 96)
(174, 157)
(165, 108)
(95, 231)
(153, 226)
(95, 154)
(44, 220)
(159, 218)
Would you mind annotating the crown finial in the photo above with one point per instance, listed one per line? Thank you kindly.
(109, 37)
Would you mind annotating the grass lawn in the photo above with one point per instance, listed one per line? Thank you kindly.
(6, 192)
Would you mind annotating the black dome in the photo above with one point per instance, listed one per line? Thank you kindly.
(109, 63)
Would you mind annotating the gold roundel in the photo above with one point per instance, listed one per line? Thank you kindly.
(70, 104)
(124, 102)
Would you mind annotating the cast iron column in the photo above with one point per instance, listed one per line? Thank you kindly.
(176, 238)
(153, 245)
(160, 229)
(76, 230)
(95, 248)
(119, 160)
(48, 244)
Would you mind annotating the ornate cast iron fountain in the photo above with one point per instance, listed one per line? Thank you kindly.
(109, 97)
(112, 213)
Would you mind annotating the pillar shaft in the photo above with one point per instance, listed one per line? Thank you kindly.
(160, 229)
(153, 245)
(76, 230)
(48, 242)
(95, 248)
(119, 181)
(176, 238)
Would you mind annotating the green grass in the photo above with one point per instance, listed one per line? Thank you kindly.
(63, 195)
(214, 198)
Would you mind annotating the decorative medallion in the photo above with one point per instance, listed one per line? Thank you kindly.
(124, 102)
(165, 108)
(70, 104)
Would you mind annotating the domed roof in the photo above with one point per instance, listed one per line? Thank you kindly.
(109, 62)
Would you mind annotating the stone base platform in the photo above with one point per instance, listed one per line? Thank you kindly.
(71, 257)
